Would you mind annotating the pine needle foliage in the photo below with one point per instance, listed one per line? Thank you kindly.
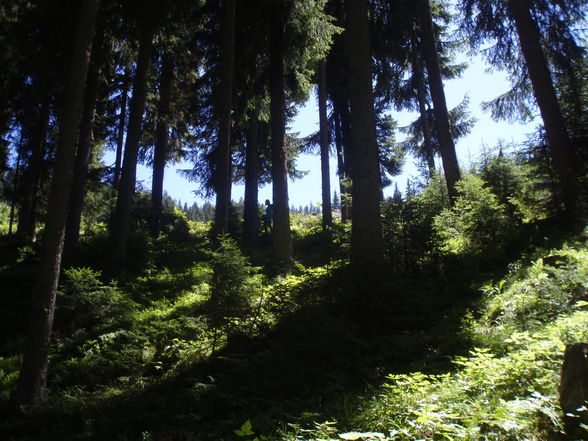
(232, 287)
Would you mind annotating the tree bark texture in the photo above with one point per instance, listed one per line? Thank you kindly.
(573, 390)
(446, 144)
(122, 215)
(222, 175)
(337, 82)
(122, 123)
(15, 185)
(161, 153)
(84, 150)
(324, 140)
(366, 233)
(281, 238)
(250, 210)
(342, 168)
(33, 375)
(557, 136)
(27, 219)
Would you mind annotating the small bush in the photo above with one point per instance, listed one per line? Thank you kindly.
(9, 371)
(407, 226)
(102, 360)
(305, 221)
(477, 222)
(232, 287)
(85, 302)
(174, 224)
(4, 217)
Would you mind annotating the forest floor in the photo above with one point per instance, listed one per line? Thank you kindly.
(447, 354)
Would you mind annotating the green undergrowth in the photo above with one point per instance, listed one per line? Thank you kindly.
(506, 388)
(182, 335)
(4, 218)
(193, 349)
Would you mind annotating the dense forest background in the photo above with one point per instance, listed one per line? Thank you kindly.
(440, 313)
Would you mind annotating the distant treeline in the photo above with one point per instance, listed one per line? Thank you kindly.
(204, 212)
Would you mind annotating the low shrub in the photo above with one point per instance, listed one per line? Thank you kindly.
(476, 223)
(232, 287)
(85, 302)
(9, 371)
(550, 286)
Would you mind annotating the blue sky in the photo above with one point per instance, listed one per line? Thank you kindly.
(476, 82)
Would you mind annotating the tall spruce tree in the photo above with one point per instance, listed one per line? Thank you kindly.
(522, 33)
(222, 174)
(544, 90)
(366, 233)
(33, 374)
(446, 142)
(122, 216)
(327, 215)
(250, 209)
(86, 139)
(281, 238)
(161, 148)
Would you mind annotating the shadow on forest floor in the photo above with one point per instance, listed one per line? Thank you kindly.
(312, 366)
(315, 364)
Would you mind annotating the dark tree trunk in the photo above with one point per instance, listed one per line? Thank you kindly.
(27, 218)
(84, 151)
(222, 175)
(281, 238)
(15, 185)
(342, 167)
(122, 122)
(122, 215)
(250, 210)
(324, 137)
(366, 233)
(337, 80)
(347, 156)
(33, 375)
(446, 144)
(573, 390)
(557, 136)
(161, 153)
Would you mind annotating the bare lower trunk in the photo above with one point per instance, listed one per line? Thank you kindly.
(324, 137)
(161, 154)
(343, 157)
(446, 144)
(33, 375)
(222, 175)
(122, 215)
(27, 219)
(339, 153)
(15, 185)
(337, 78)
(282, 241)
(250, 210)
(366, 234)
(122, 122)
(84, 151)
(557, 136)
(573, 390)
